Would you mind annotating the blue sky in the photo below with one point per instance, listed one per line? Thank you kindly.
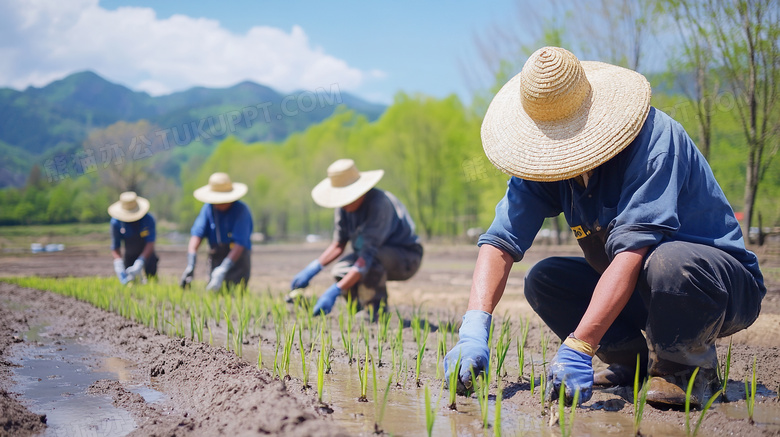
(371, 49)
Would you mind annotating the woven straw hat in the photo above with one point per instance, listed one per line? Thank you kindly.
(130, 207)
(220, 190)
(344, 184)
(561, 117)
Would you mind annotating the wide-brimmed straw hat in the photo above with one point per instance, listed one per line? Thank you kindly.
(561, 117)
(220, 190)
(344, 184)
(130, 207)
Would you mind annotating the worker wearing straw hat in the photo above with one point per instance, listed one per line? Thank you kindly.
(380, 230)
(665, 270)
(132, 223)
(227, 224)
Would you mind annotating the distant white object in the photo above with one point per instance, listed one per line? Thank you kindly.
(36, 247)
(313, 238)
(257, 237)
(474, 232)
(55, 247)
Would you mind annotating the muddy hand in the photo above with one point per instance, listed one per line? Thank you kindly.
(301, 280)
(472, 349)
(574, 369)
(189, 272)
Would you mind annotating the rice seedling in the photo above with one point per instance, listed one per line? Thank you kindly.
(304, 370)
(542, 392)
(430, 410)
(502, 347)
(521, 340)
(533, 375)
(695, 431)
(544, 342)
(750, 394)
(229, 323)
(640, 398)
(482, 390)
(420, 350)
(566, 425)
(497, 418)
(452, 385)
(287, 352)
(380, 414)
(363, 376)
(321, 365)
(259, 352)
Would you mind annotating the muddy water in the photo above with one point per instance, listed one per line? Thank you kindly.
(53, 377)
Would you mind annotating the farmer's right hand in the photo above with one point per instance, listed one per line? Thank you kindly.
(119, 269)
(301, 280)
(327, 300)
(189, 272)
(472, 349)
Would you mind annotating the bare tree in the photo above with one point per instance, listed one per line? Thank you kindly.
(746, 35)
(124, 153)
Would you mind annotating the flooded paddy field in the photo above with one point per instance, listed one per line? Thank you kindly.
(70, 368)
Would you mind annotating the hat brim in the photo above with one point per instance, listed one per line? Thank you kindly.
(328, 196)
(609, 119)
(116, 211)
(206, 195)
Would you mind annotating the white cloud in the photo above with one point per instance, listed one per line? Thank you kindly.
(43, 40)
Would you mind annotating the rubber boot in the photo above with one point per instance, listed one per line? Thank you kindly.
(622, 361)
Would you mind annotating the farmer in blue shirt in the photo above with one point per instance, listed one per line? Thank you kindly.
(227, 224)
(132, 223)
(385, 246)
(665, 270)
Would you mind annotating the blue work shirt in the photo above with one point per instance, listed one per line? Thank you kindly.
(144, 228)
(659, 188)
(232, 226)
(381, 220)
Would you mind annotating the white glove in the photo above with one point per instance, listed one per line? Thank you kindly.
(135, 269)
(119, 269)
(218, 275)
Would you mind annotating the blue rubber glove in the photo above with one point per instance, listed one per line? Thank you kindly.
(189, 272)
(218, 275)
(327, 300)
(575, 370)
(301, 280)
(119, 269)
(135, 269)
(472, 348)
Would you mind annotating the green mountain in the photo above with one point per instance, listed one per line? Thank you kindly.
(39, 123)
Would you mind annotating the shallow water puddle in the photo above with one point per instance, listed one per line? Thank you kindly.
(53, 378)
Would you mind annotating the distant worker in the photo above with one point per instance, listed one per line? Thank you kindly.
(380, 229)
(664, 271)
(132, 223)
(227, 223)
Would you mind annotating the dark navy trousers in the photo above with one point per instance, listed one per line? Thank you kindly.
(687, 295)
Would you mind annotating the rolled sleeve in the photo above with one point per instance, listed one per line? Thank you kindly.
(150, 227)
(519, 216)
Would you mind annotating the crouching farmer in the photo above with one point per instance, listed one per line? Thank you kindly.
(665, 270)
(132, 224)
